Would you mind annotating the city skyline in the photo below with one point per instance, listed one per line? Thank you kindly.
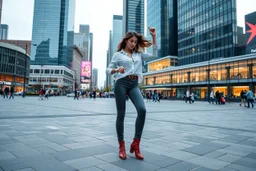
(23, 16)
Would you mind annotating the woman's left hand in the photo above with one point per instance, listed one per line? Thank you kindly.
(152, 31)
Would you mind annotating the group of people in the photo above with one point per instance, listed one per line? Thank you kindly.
(8, 91)
(247, 96)
(153, 96)
(217, 98)
(44, 94)
(190, 97)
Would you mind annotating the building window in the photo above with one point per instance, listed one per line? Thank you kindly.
(57, 71)
(36, 71)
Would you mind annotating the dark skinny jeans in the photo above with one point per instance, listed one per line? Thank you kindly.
(129, 86)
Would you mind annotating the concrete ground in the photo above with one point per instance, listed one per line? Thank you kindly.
(62, 134)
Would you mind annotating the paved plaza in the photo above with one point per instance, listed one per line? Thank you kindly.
(62, 134)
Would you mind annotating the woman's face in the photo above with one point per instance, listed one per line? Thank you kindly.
(131, 43)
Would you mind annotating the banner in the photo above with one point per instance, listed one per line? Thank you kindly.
(86, 71)
(250, 27)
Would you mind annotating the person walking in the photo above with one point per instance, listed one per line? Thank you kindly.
(76, 95)
(11, 93)
(127, 63)
(249, 96)
(212, 97)
(243, 98)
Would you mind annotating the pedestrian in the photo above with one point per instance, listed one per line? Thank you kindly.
(212, 97)
(188, 98)
(127, 63)
(249, 96)
(243, 98)
(192, 95)
(11, 93)
(76, 94)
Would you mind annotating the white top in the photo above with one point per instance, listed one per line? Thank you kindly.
(121, 58)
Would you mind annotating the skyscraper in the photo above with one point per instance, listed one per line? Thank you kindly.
(162, 15)
(1, 3)
(117, 30)
(94, 77)
(85, 46)
(109, 52)
(4, 31)
(133, 16)
(206, 30)
(53, 32)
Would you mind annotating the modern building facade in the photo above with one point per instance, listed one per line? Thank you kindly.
(14, 67)
(206, 30)
(133, 16)
(53, 32)
(76, 66)
(4, 31)
(84, 29)
(24, 44)
(228, 75)
(95, 78)
(162, 15)
(109, 52)
(60, 79)
(117, 32)
(1, 4)
(250, 27)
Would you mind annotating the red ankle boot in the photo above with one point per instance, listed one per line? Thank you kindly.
(135, 147)
(122, 153)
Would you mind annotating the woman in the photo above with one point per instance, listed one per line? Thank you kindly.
(127, 63)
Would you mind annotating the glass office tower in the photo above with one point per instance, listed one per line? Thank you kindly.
(162, 14)
(133, 16)
(207, 29)
(53, 32)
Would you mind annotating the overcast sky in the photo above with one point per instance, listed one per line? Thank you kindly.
(18, 14)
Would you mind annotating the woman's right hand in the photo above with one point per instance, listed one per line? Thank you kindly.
(121, 69)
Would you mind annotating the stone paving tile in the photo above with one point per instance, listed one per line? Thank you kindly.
(108, 157)
(240, 167)
(181, 155)
(6, 155)
(110, 167)
(248, 142)
(84, 152)
(86, 162)
(22, 152)
(198, 139)
(44, 150)
(214, 154)
(229, 158)
(183, 166)
(209, 162)
(26, 169)
(203, 169)
(200, 149)
(227, 169)
(248, 162)
(134, 164)
(91, 169)
(235, 138)
(251, 155)
(240, 150)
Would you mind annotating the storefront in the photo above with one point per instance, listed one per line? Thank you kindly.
(14, 67)
(230, 76)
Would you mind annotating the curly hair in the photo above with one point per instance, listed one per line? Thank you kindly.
(142, 43)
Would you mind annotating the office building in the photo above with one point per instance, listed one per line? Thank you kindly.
(162, 15)
(94, 78)
(14, 67)
(133, 16)
(24, 44)
(117, 30)
(206, 30)
(53, 32)
(4, 31)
